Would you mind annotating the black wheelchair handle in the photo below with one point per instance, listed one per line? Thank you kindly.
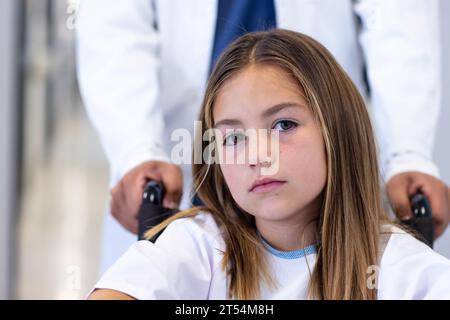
(152, 211)
(422, 220)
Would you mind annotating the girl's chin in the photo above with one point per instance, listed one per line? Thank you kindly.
(270, 208)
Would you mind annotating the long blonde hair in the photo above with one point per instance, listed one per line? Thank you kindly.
(351, 213)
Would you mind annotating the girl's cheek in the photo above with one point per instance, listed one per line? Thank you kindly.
(227, 173)
(232, 174)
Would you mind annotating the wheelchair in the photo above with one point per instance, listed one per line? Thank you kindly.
(152, 212)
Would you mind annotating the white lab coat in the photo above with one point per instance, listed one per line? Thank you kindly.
(139, 83)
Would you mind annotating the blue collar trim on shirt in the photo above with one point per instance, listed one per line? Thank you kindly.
(295, 254)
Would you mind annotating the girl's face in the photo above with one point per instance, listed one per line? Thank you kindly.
(301, 171)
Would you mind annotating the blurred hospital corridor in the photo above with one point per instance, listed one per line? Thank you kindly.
(61, 215)
(64, 179)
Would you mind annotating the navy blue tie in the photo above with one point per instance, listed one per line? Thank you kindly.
(235, 18)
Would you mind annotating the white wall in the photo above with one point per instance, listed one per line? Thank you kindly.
(442, 146)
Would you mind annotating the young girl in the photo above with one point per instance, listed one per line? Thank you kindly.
(313, 229)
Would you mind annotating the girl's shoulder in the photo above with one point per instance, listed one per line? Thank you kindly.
(180, 264)
(402, 244)
(409, 269)
(199, 233)
(201, 226)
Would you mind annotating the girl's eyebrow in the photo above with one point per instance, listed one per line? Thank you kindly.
(267, 113)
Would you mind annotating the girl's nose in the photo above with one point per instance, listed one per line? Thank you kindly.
(261, 154)
(266, 164)
(264, 153)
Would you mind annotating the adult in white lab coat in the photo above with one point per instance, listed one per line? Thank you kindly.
(143, 67)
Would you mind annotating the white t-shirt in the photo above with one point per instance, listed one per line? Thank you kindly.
(185, 263)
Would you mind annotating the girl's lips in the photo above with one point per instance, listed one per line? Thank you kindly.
(272, 185)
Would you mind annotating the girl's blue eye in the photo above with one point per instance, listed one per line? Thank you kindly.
(285, 125)
(233, 139)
